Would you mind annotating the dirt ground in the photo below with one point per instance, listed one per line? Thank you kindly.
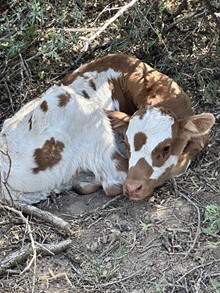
(168, 243)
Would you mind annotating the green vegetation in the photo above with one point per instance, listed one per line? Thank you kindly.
(146, 227)
(216, 285)
(212, 220)
(36, 27)
(41, 40)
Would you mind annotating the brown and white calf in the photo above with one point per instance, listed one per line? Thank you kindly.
(45, 144)
(163, 134)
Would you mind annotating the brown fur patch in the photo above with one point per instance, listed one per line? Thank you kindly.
(44, 106)
(141, 170)
(139, 140)
(122, 163)
(161, 153)
(49, 155)
(85, 94)
(118, 62)
(92, 84)
(119, 120)
(138, 85)
(64, 99)
(30, 123)
(70, 78)
(114, 190)
(119, 93)
(128, 148)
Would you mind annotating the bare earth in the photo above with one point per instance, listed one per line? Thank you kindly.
(155, 245)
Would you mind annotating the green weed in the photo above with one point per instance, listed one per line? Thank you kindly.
(37, 26)
(212, 220)
(145, 227)
(216, 284)
(158, 289)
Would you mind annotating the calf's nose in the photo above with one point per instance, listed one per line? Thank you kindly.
(132, 189)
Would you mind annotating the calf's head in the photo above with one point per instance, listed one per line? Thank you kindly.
(156, 144)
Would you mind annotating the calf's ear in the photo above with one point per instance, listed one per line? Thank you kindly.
(119, 120)
(198, 125)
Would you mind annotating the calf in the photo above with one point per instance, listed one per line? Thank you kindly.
(45, 144)
(163, 135)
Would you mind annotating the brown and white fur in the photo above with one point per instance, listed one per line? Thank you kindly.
(162, 133)
(50, 140)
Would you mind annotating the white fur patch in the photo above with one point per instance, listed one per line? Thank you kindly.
(158, 171)
(102, 94)
(158, 127)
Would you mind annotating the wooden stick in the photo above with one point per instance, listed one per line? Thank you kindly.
(42, 215)
(22, 254)
(106, 24)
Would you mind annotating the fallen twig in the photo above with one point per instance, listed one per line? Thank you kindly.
(179, 10)
(198, 267)
(78, 29)
(98, 31)
(197, 12)
(123, 279)
(191, 271)
(46, 217)
(43, 216)
(106, 24)
(22, 254)
(32, 247)
(104, 206)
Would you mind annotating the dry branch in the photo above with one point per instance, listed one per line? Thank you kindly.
(106, 24)
(32, 247)
(189, 272)
(198, 267)
(108, 203)
(44, 216)
(98, 31)
(102, 285)
(179, 10)
(22, 254)
(77, 30)
(89, 40)
(198, 12)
